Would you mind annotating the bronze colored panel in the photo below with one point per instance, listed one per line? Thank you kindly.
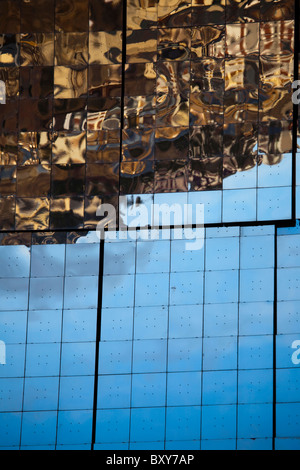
(103, 146)
(66, 212)
(69, 148)
(137, 145)
(37, 16)
(71, 16)
(32, 213)
(71, 49)
(10, 16)
(106, 16)
(37, 49)
(33, 180)
(105, 48)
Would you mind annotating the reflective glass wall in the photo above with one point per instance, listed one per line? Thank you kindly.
(128, 98)
(48, 315)
(186, 351)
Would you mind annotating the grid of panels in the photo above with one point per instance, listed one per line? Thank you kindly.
(186, 351)
(288, 340)
(60, 138)
(206, 107)
(48, 313)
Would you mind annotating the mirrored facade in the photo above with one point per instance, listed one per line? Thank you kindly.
(152, 340)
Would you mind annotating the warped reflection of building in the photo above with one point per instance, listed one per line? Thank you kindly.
(128, 345)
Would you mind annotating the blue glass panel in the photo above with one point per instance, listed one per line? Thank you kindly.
(183, 422)
(118, 291)
(149, 355)
(82, 259)
(288, 286)
(14, 294)
(151, 289)
(78, 359)
(42, 360)
(219, 353)
(255, 386)
(39, 428)
(239, 205)
(13, 326)
(220, 319)
(114, 391)
(185, 321)
(256, 318)
(287, 444)
(288, 251)
(15, 359)
(222, 254)
(255, 421)
(147, 446)
(150, 322)
(219, 388)
(256, 285)
(287, 385)
(48, 260)
(81, 292)
(148, 390)
(288, 317)
(182, 445)
(287, 419)
(10, 425)
(74, 427)
(257, 252)
(79, 325)
(274, 203)
(115, 357)
(186, 288)
(183, 259)
(255, 352)
(184, 388)
(219, 422)
(112, 426)
(153, 256)
(221, 286)
(147, 424)
(254, 444)
(287, 351)
(44, 326)
(212, 202)
(41, 394)
(76, 393)
(220, 444)
(119, 258)
(46, 293)
(11, 394)
(184, 355)
(15, 261)
(116, 324)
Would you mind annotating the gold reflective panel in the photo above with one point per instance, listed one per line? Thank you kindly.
(71, 48)
(32, 213)
(36, 49)
(242, 39)
(208, 41)
(141, 14)
(105, 48)
(69, 148)
(69, 82)
(187, 95)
